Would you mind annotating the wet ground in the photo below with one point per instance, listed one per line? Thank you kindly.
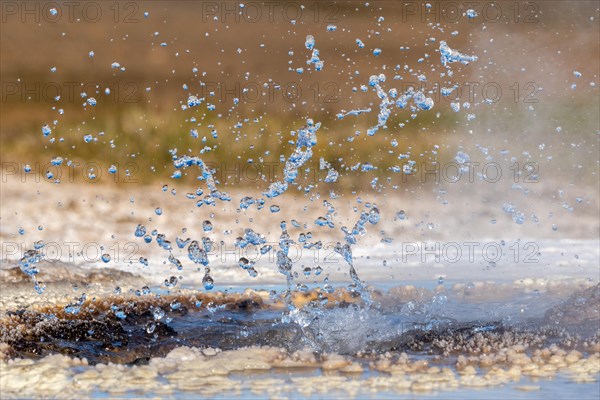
(408, 340)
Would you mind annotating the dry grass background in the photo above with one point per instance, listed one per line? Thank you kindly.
(564, 39)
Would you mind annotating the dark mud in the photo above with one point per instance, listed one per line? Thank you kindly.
(125, 331)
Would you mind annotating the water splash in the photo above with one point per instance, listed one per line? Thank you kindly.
(449, 56)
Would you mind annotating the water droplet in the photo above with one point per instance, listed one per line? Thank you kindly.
(39, 286)
(158, 313)
(150, 327)
(208, 282)
(471, 13)
(171, 282)
(46, 131)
